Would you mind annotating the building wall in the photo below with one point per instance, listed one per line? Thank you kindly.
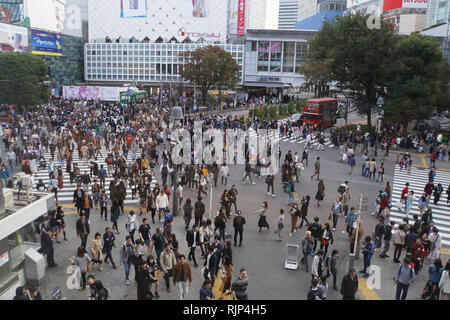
(410, 23)
(438, 11)
(307, 8)
(143, 62)
(52, 20)
(288, 14)
(69, 68)
(256, 14)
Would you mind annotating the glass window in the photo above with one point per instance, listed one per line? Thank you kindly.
(288, 56)
(301, 51)
(263, 56)
(275, 56)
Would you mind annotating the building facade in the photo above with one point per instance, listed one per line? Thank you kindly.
(255, 13)
(272, 57)
(288, 14)
(17, 235)
(148, 63)
(438, 11)
(11, 11)
(307, 8)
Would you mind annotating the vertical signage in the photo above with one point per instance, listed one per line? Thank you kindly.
(241, 18)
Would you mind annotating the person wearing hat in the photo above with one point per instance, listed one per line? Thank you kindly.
(316, 268)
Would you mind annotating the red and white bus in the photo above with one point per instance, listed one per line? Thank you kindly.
(320, 113)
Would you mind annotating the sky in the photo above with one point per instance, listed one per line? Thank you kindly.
(272, 14)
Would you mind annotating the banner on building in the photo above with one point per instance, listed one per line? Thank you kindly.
(409, 4)
(133, 8)
(46, 43)
(233, 16)
(13, 38)
(241, 17)
(92, 93)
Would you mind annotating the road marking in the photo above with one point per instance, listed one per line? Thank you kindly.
(445, 251)
(366, 292)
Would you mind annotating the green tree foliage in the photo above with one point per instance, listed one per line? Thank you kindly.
(210, 68)
(421, 77)
(21, 79)
(358, 58)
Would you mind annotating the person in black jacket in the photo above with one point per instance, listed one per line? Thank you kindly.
(83, 230)
(238, 224)
(349, 285)
(78, 196)
(379, 231)
(387, 239)
(333, 266)
(98, 291)
(47, 247)
(108, 244)
(193, 241)
(316, 231)
(143, 282)
(199, 210)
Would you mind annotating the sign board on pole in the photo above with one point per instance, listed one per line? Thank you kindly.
(241, 18)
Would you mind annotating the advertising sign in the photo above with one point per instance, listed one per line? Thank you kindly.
(199, 9)
(92, 93)
(13, 38)
(241, 18)
(415, 4)
(233, 16)
(409, 4)
(133, 8)
(46, 43)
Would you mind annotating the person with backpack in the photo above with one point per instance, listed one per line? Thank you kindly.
(435, 239)
(126, 253)
(220, 223)
(295, 214)
(404, 277)
(323, 287)
(269, 181)
(131, 224)
(168, 262)
(98, 291)
(317, 267)
(316, 231)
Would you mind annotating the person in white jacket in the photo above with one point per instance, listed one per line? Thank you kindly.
(444, 283)
(315, 264)
(162, 203)
(225, 171)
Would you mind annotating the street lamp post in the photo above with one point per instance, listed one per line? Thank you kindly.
(176, 115)
(380, 103)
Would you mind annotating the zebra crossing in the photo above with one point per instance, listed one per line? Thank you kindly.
(417, 179)
(292, 139)
(66, 193)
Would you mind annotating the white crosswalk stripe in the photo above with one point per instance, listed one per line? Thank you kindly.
(292, 139)
(66, 194)
(417, 179)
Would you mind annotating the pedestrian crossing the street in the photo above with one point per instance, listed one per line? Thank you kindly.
(417, 179)
(66, 193)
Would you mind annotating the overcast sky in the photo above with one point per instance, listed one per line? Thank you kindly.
(272, 14)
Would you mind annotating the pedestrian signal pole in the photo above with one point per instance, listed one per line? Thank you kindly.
(362, 207)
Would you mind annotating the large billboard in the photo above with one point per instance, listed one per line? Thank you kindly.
(241, 18)
(13, 38)
(46, 43)
(92, 93)
(195, 19)
(410, 4)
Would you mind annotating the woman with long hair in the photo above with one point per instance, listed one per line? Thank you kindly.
(97, 250)
(227, 276)
(320, 192)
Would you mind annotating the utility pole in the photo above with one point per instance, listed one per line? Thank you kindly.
(363, 206)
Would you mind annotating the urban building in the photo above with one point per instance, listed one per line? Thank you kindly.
(288, 14)
(316, 21)
(11, 11)
(272, 58)
(255, 13)
(45, 14)
(148, 63)
(307, 8)
(18, 234)
(438, 11)
(332, 5)
(76, 19)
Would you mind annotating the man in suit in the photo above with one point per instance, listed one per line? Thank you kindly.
(218, 248)
(238, 224)
(210, 265)
(193, 240)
